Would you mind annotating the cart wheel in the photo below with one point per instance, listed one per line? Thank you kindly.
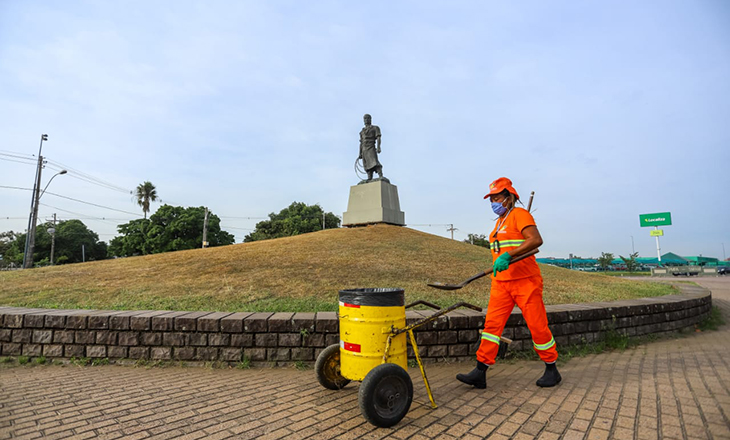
(385, 395)
(327, 368)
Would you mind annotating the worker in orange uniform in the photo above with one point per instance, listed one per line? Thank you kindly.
(519, 283)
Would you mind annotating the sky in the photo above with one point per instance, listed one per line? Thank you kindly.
(606, 110)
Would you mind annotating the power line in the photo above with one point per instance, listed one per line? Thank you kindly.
(86, 218)
(75, 200)
(15, 187)
(18, 161)
(86, 177)
(89, 203)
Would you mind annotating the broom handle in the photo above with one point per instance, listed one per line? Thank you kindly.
(529, 204)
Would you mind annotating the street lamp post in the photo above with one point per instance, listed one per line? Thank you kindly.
(632, 244)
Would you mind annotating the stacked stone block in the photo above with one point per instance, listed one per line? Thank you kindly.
(290, 337)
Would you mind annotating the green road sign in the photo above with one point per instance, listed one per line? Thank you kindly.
(658, 219)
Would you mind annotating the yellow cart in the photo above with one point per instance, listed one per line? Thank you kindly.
(373, 350)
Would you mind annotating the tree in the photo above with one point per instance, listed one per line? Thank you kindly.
(133, 240)
(74, 244)
(170, 228)
(604, 261)
(631, 263)
(7, 249)
(296, 219)
(146, 193)
(478, 240)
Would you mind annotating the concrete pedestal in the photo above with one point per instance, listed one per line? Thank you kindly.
(374, 202)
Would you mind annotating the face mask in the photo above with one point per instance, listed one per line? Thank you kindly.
(498, 208)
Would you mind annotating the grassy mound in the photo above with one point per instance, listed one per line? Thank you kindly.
(301, 273)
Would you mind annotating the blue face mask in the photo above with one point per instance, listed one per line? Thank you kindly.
(498, 208)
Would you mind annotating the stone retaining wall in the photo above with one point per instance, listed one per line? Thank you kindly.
(289, 337)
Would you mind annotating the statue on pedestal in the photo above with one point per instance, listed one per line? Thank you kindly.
(370, 147)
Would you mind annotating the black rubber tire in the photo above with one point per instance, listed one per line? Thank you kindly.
(327, 368)
(385, 395)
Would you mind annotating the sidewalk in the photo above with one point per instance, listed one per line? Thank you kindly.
(672, 389)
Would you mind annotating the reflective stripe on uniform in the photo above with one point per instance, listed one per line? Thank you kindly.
(490, 337)
(507, 243)
(544, 346)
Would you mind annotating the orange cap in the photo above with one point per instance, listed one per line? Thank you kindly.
(500, 185)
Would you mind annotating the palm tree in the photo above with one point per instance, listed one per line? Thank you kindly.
(146, 193)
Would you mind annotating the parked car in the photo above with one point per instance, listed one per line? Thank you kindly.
(723, 270)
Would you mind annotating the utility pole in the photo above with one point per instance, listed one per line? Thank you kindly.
(323, 226)
(205, 229)
(30, 236)
(452, 229)
(28, 262)
(53, 237)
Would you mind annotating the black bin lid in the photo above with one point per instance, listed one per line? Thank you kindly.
(378, 297)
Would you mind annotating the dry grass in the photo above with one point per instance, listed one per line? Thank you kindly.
(302, 273)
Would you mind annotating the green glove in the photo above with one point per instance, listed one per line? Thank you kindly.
(502, 263)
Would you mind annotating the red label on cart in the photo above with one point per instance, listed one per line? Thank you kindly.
(355, 348)
(354, 306)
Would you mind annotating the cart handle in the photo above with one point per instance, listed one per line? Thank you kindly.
(396, 331)
(425, 303)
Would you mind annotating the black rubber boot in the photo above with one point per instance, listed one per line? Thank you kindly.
(550, 378)
(476, 377)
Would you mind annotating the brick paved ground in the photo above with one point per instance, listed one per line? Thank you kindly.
(672, 389)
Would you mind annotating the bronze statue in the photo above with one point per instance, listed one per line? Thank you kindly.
(370, 147)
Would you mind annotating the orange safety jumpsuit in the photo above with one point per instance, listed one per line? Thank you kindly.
(520, 284)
